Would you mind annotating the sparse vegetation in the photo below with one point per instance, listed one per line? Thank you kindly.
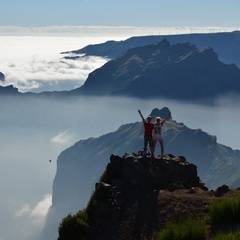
(227, 236)
(183, 230)
(225, 210)
(74, 227)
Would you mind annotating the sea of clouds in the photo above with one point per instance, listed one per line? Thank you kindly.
(35, 63)
(34, 131)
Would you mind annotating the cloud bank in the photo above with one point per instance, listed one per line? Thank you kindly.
(31, 216)
(62, 138)
(38, 212)
(36, 64)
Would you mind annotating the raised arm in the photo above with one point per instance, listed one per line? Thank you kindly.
(169, 114)
(141, 115)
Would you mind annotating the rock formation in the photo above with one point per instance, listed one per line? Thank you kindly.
(125, 203)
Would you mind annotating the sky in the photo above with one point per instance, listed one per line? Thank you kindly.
(137, 13)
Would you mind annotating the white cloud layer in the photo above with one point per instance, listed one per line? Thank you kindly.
(35, 64)
(62, 138)
(38, 212)
(29, 219)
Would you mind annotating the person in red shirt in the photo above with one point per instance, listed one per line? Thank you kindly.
(148, 128)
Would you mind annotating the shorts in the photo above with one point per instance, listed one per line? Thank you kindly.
(148, 140)
(157, 137)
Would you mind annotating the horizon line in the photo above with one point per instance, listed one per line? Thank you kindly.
(97, 31)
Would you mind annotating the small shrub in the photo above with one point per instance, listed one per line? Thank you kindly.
(226, 210)
(74, 227)
(227, 236)
(183, 230)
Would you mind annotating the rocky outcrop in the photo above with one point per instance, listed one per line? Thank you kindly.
(151, 172)
(128, 194)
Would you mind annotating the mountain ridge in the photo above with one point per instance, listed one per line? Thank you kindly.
(178, 71)
(226, 45)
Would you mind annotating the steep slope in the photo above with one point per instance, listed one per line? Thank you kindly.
(179, 71)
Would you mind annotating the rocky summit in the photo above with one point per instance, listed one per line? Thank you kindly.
(148, 172)
(138, 194)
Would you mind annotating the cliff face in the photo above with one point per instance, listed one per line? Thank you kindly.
(125, 204)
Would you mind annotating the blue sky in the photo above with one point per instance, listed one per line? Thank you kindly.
(140, 13)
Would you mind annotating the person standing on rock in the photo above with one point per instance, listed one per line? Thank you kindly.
(157, 133)
(148, 128)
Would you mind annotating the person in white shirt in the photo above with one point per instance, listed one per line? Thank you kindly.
(157, 133)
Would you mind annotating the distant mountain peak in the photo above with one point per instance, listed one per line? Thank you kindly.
(225, 44)
(176, 71)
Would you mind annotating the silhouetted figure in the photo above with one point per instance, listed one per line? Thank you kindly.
(148, 128)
